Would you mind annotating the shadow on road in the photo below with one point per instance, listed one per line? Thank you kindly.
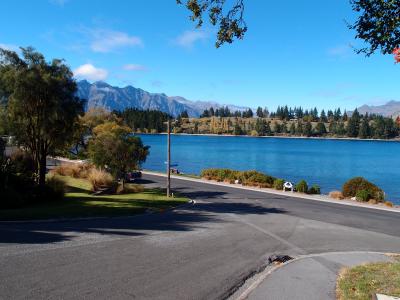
(187, 218)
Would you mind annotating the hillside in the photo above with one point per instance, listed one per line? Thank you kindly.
(392, 108)
(101, 94)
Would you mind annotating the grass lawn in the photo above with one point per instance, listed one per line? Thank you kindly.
(361, 282)
(79, 202)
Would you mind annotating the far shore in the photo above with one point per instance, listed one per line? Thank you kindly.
(278, 137)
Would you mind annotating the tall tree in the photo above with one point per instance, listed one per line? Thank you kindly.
(260, 112)
(353, 125)
(365, 130)
(307, 130)
(378, 25)
(229, 20)
(42, 107)
(114, 146)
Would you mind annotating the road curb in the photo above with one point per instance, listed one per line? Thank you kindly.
(279, 193)
(269, 269)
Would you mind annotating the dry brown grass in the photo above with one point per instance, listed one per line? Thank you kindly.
(100, 179)
(73, 170)
(336, 195)
(388, 204)
(129, 188)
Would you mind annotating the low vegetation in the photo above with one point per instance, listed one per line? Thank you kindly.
(302, 186)
(363, 282)
(362, 189)
(278, 184)
(96, 177)
(336, 195)
(254, 178)
(80, 202)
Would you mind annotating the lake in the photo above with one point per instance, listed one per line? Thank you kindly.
(328, 163)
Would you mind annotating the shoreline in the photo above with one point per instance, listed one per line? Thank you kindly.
(321, 198)
(278, 137)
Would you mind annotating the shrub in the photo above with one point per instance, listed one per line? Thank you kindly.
(278, 184)
(254, 178)
(352, 186)
(372, 201)
(73, 170)
(57, 185)
(388, 203)
(53, 190)
(251, 178)
(22, 163)
(315, 190)
(302, 186)
(336, 195)
(363, 195)
(130, 188)
(100, 179)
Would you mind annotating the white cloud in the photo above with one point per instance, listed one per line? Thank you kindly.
(58, 2)
(104, 40)
(90, 72)
(188, 38)
(9, 47)
(339, 51)
(134, 67)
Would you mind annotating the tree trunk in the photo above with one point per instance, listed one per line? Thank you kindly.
(42, 168)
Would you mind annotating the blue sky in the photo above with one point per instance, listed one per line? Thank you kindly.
(295, 52)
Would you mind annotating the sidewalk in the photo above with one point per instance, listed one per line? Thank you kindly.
(309, 278)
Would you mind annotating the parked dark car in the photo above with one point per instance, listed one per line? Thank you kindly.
(132, 176)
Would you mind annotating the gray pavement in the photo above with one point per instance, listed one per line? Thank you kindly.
(200, 251)
(310, 278)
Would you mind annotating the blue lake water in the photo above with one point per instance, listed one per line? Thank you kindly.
(328, 163)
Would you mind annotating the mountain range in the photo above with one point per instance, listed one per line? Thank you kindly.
(390, 109)
(101, 94)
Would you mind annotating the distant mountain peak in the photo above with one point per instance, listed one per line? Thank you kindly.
(102, 94)
(391, 108)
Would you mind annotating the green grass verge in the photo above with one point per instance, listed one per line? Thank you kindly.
(79, 202)
(362, 282)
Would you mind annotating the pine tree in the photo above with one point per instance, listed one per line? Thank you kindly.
(259, 112)
(320, 129)
(353, 125)
(323, 117)
(365, 130)
(292, 129)
(307, 131)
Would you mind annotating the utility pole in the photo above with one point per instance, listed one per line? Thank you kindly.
(169, 158)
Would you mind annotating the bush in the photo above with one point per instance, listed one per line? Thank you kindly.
(388, 204)
(74, 170)
(250, 178)
(336, 195)
(278, 184)
(363, 195)
(57, 185)
(129, 188)
(302, 186)
(315, 190)
(254, 178)
(22, 163)
(100, 179)
(352, 186)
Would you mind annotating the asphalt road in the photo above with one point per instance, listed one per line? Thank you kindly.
(200, 251)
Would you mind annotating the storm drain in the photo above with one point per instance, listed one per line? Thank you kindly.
(279, 259)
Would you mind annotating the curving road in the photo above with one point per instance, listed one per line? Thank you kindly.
(198, 251)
